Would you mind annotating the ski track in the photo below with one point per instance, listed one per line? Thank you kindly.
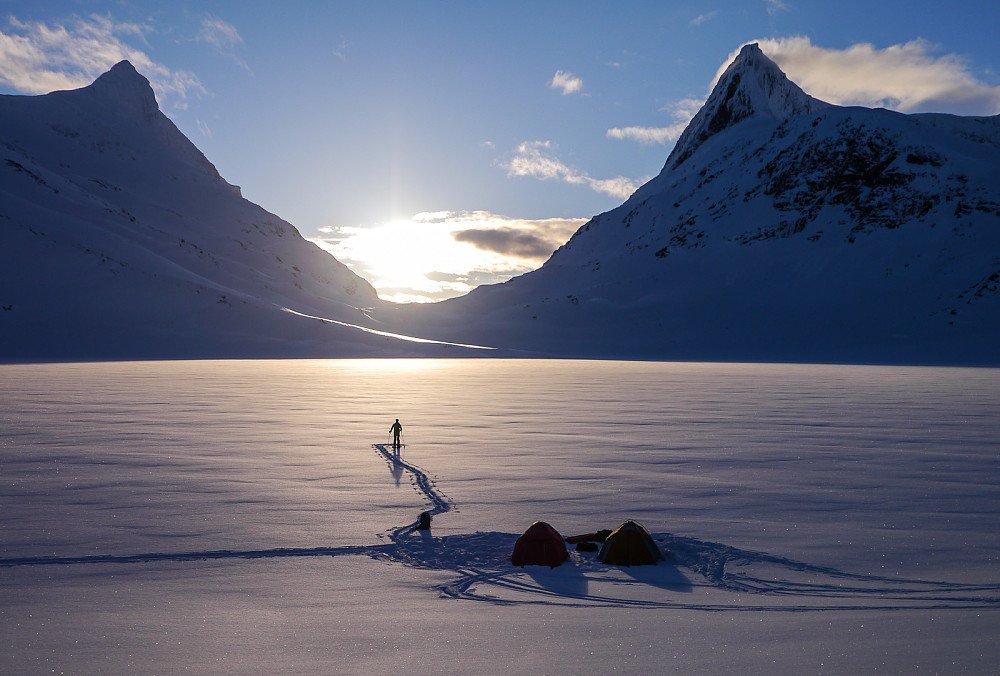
(481, 563)
(422, 483)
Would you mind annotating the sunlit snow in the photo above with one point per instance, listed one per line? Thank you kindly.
(248, 516)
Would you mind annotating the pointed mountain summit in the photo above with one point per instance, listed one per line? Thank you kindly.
(123, 86)
(117, 110)
(752, 86)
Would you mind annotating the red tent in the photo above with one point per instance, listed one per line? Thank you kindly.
(541, 545)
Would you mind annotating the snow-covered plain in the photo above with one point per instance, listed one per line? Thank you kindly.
(246, 517)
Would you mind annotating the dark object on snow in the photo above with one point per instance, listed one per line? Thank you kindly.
(599, 536)
(586, 546)
(630, 545)
(541, 545)
(424, 523)
(396, 430)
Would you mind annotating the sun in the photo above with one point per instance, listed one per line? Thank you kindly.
(419, 259)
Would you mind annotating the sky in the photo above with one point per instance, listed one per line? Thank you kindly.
(436, 146)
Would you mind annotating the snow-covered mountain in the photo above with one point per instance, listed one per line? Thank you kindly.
(119, 239)
(780, 228)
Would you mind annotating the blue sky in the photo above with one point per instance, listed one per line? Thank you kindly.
(438, 145)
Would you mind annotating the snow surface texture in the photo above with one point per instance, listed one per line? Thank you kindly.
(247, 517)
(119, 239)
(781, 228)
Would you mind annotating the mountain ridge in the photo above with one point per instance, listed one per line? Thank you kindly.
(795, 231)
(120, 239)
(781, 228)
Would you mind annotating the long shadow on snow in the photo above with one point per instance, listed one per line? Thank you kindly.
(153, 557)
(422, 483)
(481, 561)
(565, 581)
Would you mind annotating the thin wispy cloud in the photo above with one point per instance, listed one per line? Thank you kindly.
(435, 255)
(223, 36)
(536, 159)
(566, 82)
(775, 6)
(702, 18)
(37, 58)
(907, 77)
(219, 33)
(341, 51)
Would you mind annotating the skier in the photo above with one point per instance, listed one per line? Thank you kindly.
(396, 430)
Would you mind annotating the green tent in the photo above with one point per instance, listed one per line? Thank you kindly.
(630, 545)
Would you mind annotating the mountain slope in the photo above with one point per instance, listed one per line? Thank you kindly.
(119, 239)
(781, 228)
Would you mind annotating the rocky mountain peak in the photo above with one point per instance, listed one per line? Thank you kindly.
(126, 89)
(752, 86)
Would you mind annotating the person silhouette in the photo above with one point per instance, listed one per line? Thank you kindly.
(396, 430)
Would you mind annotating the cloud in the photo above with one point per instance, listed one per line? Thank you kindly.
(37, 58)
(517, 238)
(526, 240)
(682, 112)
(702, 18)
(223, 36)
(341, 51)
(907, 77)
(535, 160)
(507, 241)
(219, 33)
(647, 135)
(435, 255)
(775, 6)
(567, 82)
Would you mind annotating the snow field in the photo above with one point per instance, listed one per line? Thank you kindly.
(821, 519)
